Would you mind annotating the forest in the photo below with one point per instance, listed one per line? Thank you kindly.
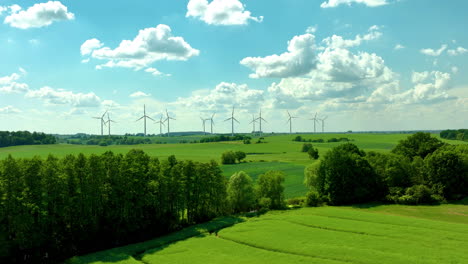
(460, 134)
(17, 138)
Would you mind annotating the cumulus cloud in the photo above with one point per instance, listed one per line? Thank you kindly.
(61, 97)
(9, 84)
(89, 45)
(429, 87)
(150, 45)
(457, 51)
(339, 42)
(220, 12)
(224, 95)
(139, 94)
(155, 72)
(370, 3)
(38, 15)
(432, 52)
(298, 60)
(9, 110)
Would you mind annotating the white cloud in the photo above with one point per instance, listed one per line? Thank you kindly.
(338, 41)
(298, 60)
(454, 69)
(457, 51)
(432, 52)
(9, 84)
(3, 9)
(89, 45)
(220, 12)
(139, 94)
(9, 110)
(39, 15)
(429, 87)
(312, 29)
(61, 96)
(370, 3)
(398, 47)
(155, 72)
(150, 45)
(223, 96)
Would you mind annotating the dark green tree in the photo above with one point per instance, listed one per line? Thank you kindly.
(241, 192)
(270, 185)
(420, 144)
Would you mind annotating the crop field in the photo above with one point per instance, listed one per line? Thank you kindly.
(278, 153)
(377, 234)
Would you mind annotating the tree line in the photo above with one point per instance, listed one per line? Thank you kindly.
(460, 134)
(52, 208)
(17, 138)
(420, 169)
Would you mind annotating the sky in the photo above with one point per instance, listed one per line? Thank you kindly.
(362, 65)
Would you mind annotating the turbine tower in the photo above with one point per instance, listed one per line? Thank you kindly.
(315, 121)
(203, 123)
(290, 122)
(254, 120)
(232, 118)
(103, 122)
(161, 123)
(109, 121)
(211, 121)
(168, 119)
(260, 118)
(144, 118)
(323, 123)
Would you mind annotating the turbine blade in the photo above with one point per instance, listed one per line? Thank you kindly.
(236, 120)
(104, 114)
(150, 118)
(264, 120)
(139, 118)
(228, 119)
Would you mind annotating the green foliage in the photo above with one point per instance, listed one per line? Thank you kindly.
(460, 134)
(228, 157)
(270, 186)
(63, 207)
(13, 138)
(420, 144)
(395, 171)
(241, 192)
(446, 169)
(313, 198)
(240, 155)
(306, 147)
(313, 153)
(345, 176)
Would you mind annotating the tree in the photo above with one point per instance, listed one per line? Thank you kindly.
(241, 192)
(420, 144)
(313, 153)
(270, 185)
(240, 155)
(306, 147)
(228, 157)
(395, 171)
(344, 176)
(446, 170)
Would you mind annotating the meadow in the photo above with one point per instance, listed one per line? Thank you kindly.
(359, 234)
(278, 153)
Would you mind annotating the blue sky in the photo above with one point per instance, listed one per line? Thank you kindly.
(366, 64)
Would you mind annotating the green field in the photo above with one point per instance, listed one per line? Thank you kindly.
(377, 234)
(279, 153)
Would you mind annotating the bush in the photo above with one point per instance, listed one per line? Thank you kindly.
(313, 153)
(420, 144)
(306, 147)
(240, 155)
(270, 185)
(313, 199)
(241, 192)
(228, 157)
(298, 139)
(296, 201)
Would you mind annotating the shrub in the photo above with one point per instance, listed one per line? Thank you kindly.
(270, 185)
(298, 139)
(241, 192)
(313, 199)
(296, 201)
(420, 144)
(313, 153)
(228, 157)
(240, 155)
(306, 147)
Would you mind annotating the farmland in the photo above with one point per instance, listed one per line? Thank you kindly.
(278, 153)
(367, 234)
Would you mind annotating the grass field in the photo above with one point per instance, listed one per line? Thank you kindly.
(279, 153)
(367, 234)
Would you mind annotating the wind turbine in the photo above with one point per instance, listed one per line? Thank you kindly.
(254, 120)
(168, 119)
(144, 117)
(109, 121)
(323, 123)
(290, 121)
(161, 123)
(232, 118)
(211, 121)
(315, 121)
(203, 122)
(260, 118)
(103, 122)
